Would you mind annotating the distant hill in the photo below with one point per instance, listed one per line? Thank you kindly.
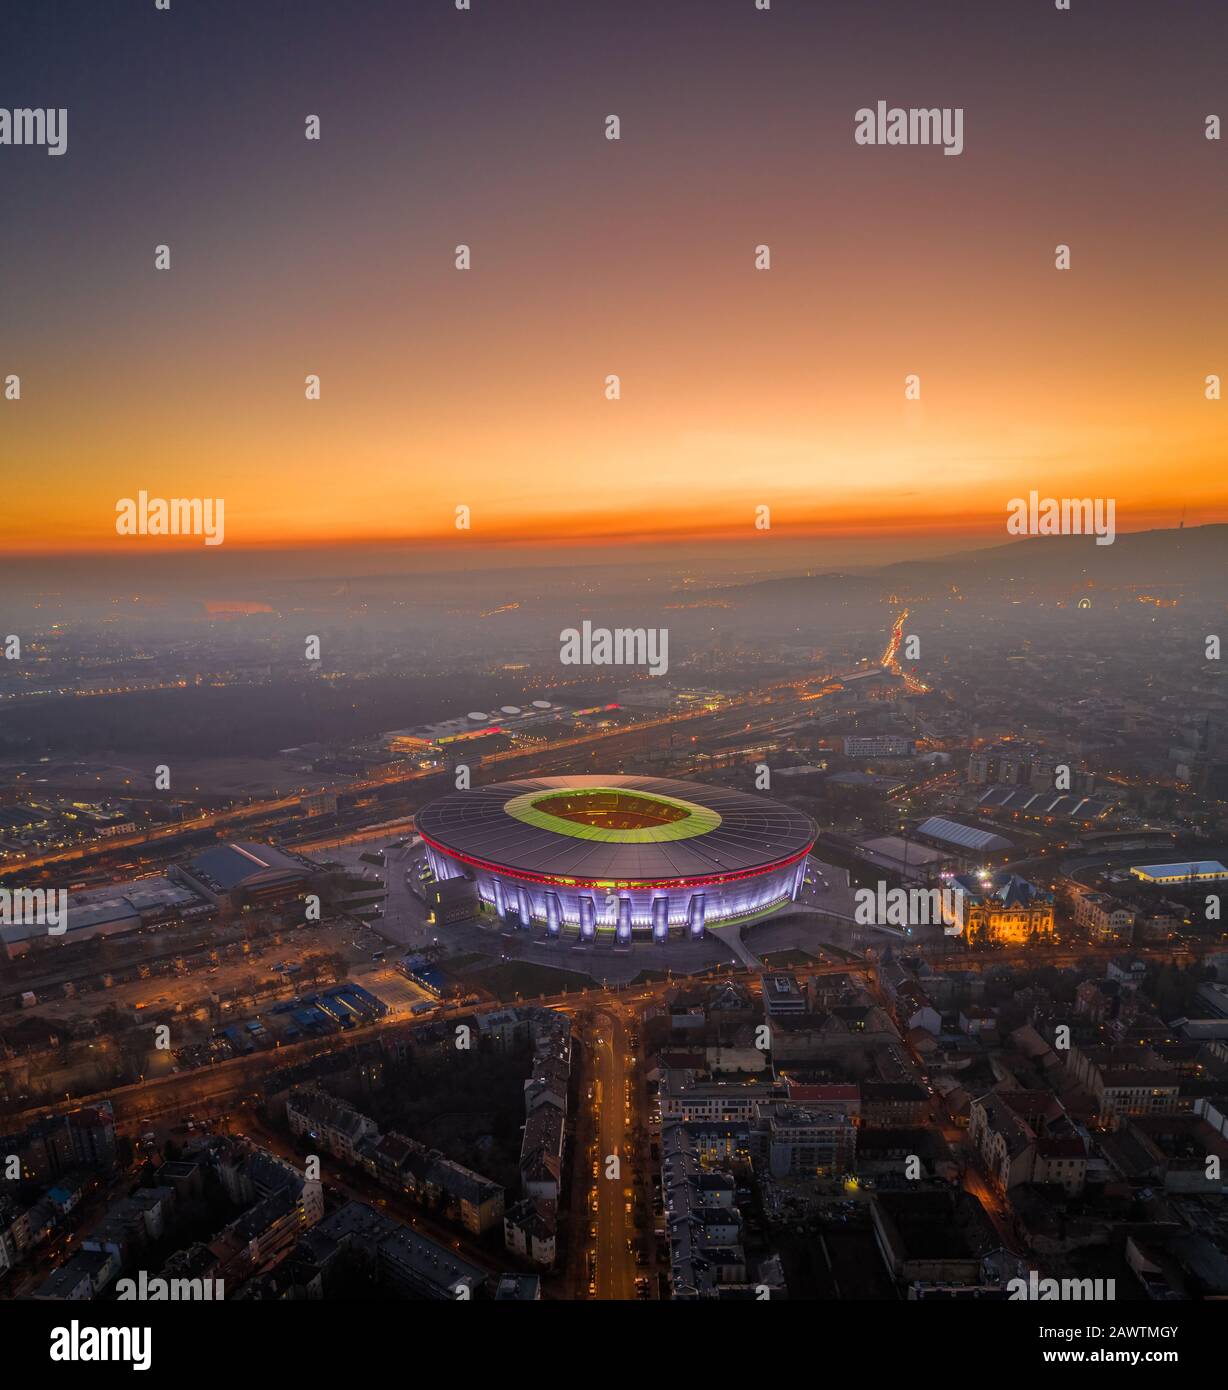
(1172, 556)
(1190, 556)
(868, 585)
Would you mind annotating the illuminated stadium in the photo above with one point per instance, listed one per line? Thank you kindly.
(620, 857)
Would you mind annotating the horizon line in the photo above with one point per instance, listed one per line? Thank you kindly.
(972, 529)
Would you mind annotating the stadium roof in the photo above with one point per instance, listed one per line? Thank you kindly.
(951, 832)
(700, 830)
(1067, 805)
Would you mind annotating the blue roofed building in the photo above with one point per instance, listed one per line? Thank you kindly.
(243, 873)
(1189, 871)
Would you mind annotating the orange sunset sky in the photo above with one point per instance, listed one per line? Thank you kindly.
(590, 257)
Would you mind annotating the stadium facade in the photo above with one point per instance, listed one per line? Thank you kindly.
(621, 857)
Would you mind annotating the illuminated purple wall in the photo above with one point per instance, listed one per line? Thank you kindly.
(561, 910)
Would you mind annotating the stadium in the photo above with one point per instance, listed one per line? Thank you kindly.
(621, 857)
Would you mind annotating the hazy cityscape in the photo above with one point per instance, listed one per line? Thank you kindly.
(275, 1042)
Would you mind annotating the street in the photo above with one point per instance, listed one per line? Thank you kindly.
(612, 1103)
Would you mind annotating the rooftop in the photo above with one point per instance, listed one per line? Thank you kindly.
(608, 829)
(244, 863)
(953, 833)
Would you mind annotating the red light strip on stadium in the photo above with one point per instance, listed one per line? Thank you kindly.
(558, 881)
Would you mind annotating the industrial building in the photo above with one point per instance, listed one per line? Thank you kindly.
(243, 873)
(1191, 871)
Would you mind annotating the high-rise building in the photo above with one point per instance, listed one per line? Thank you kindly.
(1016, 764)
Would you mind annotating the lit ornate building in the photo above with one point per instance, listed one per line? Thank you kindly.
(1003, 907)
